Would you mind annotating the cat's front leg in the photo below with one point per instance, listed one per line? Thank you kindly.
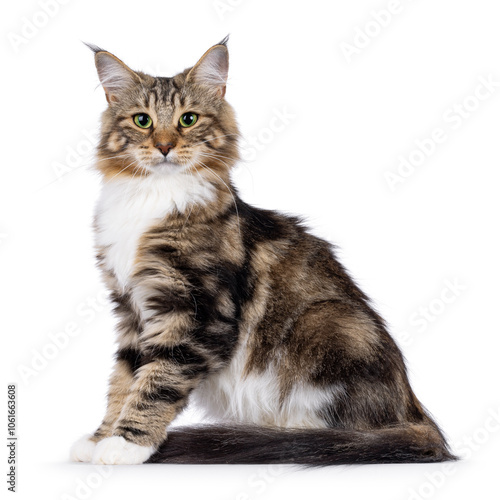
(184, 336)
(160, 391)
(173, 363)
(128, 358)
(119, 386)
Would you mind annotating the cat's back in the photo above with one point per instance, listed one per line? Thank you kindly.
(286, 251)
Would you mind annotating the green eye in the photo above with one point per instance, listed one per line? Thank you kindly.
(188, 119)
(143, 120)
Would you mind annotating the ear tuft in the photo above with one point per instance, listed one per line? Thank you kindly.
(212, 69)
(224, 41)
(94, 48)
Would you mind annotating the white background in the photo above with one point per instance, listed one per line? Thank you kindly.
(352, 120)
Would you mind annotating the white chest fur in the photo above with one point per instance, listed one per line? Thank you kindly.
(127, 208)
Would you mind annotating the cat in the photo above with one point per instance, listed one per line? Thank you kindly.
(238, 309)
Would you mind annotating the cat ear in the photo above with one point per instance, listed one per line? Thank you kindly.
(212, 69)
(115, 76)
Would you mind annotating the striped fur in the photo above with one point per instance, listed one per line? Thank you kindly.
(237, 308)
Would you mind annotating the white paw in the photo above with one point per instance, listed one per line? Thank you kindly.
(117, 450)
(82, 450)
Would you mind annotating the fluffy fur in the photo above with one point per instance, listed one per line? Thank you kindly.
(83, 449)
(239, 309)
(116, 450)
(127, 207)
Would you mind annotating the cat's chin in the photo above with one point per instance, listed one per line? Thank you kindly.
(166, 167)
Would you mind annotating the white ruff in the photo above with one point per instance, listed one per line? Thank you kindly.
(255, 399)
(129, 207)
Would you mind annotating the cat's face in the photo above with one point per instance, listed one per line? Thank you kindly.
(165, 126)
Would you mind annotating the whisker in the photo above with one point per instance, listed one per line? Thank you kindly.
(240, 162)
(216, 158)
(192, 204)
(230, 192)
(86, 164)
(123, 169)
(112, 157)
(137, 170)
(215, 155)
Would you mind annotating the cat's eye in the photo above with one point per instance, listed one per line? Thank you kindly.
(188, 119)
(142, 120)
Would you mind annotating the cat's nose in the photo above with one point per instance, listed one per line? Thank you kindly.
(164, 148)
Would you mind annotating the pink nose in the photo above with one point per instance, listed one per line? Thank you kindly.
(164, 148)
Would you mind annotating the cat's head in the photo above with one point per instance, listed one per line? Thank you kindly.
(164, 126)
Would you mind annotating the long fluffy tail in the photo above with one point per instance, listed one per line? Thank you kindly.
(314, 447)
